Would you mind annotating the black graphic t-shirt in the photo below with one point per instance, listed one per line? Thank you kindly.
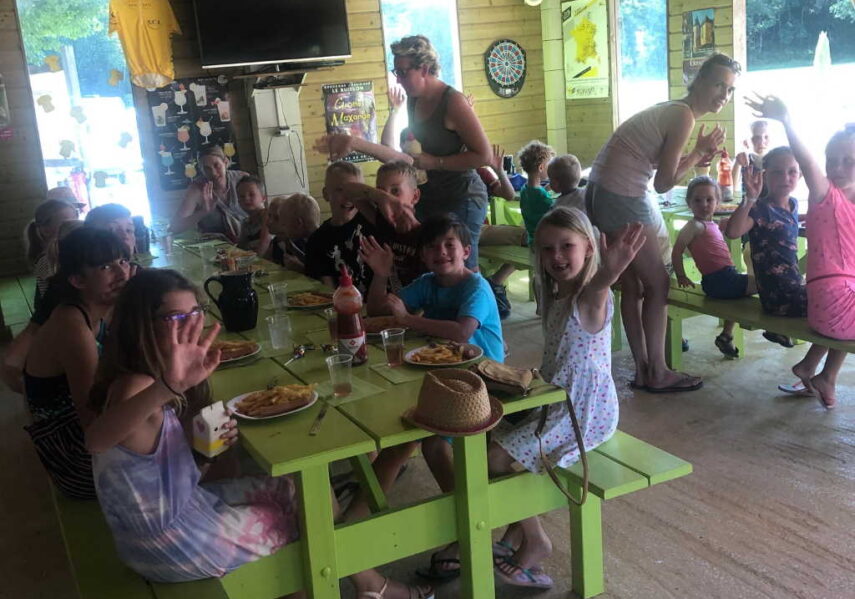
(330, 246)
(405, 246)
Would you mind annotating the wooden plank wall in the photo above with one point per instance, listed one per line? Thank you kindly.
(508, 122)
(729, 39)
(22, 178)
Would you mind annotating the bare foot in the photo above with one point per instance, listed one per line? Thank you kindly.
(392, 589)
(825, 390)
(804, 374)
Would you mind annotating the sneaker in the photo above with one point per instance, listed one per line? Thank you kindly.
(685, 345)
(502, 301)
(776, 338)
(724, 343)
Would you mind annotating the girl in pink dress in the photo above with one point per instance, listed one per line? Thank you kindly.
(831, 247)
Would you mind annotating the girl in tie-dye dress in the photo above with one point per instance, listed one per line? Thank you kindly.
(168, 526)
(578, 308)
(831, 247)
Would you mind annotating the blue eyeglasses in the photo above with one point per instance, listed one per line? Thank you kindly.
(182, 316)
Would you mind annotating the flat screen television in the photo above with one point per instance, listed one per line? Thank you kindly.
(250, 32)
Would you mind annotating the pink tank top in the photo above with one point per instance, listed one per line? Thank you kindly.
(831, 242)
(709, 250)
(625, 164)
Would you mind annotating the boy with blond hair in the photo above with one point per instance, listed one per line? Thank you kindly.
(292, 220)
(565, 172)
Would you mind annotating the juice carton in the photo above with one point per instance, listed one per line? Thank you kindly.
(208, 425)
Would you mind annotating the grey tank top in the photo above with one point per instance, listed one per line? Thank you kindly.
(444, 191)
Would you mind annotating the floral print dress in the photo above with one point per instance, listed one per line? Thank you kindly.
(581, 363)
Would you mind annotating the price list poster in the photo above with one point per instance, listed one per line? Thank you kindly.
(187, 116)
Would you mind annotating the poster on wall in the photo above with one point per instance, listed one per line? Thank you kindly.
(349, 109)
(698, 40)
(187, 116)
(584, 24)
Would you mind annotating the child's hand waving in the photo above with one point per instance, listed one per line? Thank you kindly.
(379, 258)
(189, 359)
(753, 179)
(769, 107)
(616, 256)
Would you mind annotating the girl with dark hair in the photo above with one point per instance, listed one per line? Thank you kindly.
(60, 366)
(167, 526)
(616, 195)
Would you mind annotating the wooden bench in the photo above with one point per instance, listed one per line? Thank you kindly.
(747, 312)
(516, 255)
(619, 466)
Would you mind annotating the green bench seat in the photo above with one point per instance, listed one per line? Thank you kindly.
(619, 466)
(515, 255)
(747, 312)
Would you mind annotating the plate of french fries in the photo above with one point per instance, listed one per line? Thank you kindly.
(443, 354)
(274, 402)
(231, 351)
(309, 300)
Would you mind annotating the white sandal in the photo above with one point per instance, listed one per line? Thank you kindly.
(382, 592)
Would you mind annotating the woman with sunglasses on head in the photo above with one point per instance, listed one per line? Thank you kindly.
(451, 136)
(60, 365)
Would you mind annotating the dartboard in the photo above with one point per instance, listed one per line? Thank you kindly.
(504, 62)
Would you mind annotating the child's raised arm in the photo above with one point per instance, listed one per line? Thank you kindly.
(686, 236)
(370, 200)
(614, 258)
(772, 107)
(740, 222)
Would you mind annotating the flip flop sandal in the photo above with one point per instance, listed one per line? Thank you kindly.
(676, 388)
(522, 577)
(797, 388)
(635, 386)
(414, 592)
(436, 572)
(779, 339)
(724, 343)
(502, 549)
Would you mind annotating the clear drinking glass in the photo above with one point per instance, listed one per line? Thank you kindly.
(332, 323)
(278, 295)
(393, 343)
(339, 366)
(279, 327)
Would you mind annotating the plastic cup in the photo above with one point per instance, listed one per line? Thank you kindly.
(332, 323)
(279, 327)
(339, 366)
(393, 343)
(278, 295)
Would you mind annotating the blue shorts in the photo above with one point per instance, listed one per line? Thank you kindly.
(726, 283)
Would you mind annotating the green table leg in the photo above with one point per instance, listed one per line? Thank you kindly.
(473, 512)
(617, 324)
(368, 483)
(739, 340)
(586, 547)
(318, 534)
(674, 343)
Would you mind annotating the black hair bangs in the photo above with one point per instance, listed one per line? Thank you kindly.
(439, 226)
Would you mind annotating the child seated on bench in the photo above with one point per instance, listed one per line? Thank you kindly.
(702, 236)
(831, 247)
(565, 173)
(577, 315)
(167, 527)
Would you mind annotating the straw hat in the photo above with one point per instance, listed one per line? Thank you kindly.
(455, 403)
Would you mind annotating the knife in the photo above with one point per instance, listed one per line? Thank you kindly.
(316, 425)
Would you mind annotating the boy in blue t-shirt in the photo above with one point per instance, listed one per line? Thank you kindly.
(458, 304)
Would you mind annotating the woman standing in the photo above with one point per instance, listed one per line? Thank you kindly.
(616, 196)
(453, 141)
(211, 203)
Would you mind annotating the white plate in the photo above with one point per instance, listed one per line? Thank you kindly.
(408, 357)
(312, 307)
(232, 403)
(244, 357)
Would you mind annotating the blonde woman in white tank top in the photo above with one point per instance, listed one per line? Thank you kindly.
(650, 146)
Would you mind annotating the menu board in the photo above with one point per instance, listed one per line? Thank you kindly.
(187, 116)
(349, 109)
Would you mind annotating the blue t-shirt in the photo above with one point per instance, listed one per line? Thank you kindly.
(471, 297)
(534, 203)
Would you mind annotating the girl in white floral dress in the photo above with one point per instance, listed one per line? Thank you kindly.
(578, 306)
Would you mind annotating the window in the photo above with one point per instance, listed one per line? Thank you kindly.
(643, 66)
(436, 20)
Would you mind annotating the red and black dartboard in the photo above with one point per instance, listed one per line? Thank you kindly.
(504, 62)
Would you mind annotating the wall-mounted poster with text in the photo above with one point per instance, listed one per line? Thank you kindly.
(188, 115)
(698, 40)
(584, 24)
(349, 109)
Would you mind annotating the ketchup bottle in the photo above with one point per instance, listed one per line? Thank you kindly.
(725, 178)
(347, 302)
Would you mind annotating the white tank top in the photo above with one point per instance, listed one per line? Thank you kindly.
(625, 164)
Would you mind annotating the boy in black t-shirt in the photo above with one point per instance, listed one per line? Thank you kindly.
(391, 209)
(337, 241)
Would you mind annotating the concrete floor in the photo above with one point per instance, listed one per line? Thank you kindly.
(768, 512)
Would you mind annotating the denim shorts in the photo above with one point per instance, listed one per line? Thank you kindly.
(726, 283)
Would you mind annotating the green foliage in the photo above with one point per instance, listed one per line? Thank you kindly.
(49, 24)
(783, 33)
(643, 39)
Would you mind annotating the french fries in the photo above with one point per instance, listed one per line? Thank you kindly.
(278, 400)
(308, 298)
(439, 353)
